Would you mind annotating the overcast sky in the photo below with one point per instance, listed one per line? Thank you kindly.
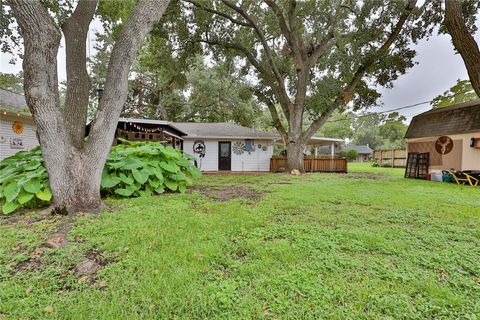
(438, 69)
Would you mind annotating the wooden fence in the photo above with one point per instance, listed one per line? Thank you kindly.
(395, 158)
(312, 165)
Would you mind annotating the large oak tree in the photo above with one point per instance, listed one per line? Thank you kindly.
(306, 59)
(75, 163)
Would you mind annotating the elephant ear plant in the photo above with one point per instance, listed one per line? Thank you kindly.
(132, 169)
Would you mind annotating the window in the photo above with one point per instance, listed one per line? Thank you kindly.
(249, 145)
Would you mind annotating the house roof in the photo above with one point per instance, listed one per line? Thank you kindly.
(456, 119)
(13, 101)
(222, 130)
(359, 149)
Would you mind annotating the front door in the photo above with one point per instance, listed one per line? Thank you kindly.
(224, 155)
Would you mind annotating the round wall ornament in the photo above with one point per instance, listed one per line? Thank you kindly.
(444, 145)
(238, 147)
(2, 139)
(18, 127)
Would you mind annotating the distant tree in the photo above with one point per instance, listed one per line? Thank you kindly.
(462, 91)
(339, 126)
(310, 58)
(352, 154)
(75, 164)
(459, 21)
(12, 82)
(380, 131)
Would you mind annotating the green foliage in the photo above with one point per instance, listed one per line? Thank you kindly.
(23, 181)
(352, 154)
(132, 169)
(380, 131)
(462, 91)
(12, 82)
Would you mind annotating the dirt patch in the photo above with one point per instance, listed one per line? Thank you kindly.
(229, 193)
(59, 239)
(371, 176)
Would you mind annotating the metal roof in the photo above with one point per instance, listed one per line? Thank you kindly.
(456, 119)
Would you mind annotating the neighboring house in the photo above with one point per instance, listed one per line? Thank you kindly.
(17, 130)
(450, 135)
(364, 153)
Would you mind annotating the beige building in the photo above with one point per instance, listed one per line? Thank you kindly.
(450, 135)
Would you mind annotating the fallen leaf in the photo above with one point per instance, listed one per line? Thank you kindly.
(2, 315)
(29, 289)
(48, 309)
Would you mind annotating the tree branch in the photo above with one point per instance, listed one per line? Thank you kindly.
(75, 30)
(370, 59)
(283, 95)
(141, 20)
(463, 41)
(277, 123)
(219, 13)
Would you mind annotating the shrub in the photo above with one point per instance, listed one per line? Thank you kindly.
(352, 154)
(132, 169)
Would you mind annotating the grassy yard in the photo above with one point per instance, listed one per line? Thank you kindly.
(367, 245)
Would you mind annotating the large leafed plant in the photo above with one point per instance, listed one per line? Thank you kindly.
(132, 169)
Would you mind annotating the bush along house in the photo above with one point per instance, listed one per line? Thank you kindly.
(17, 130)
(444, 139)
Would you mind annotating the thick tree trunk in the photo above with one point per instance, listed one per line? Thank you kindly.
(74, 167)
(75, 182)
(295, 157)
(295, 145)
(463, 41)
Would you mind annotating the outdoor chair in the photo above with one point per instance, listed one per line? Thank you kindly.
(461, 177)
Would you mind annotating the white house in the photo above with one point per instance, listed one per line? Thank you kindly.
(17, 130)
(227, 146)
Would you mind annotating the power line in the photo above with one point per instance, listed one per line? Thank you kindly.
(382, 112)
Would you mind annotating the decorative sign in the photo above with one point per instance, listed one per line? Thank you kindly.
(199, 148)
(238, 147)
(17, 127)
(444, 145)
(16, 143)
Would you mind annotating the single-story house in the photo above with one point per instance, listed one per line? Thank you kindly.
(450, 136)
(216, 146)
(17, 130)
(364, 153)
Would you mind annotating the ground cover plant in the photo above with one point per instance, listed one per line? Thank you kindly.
(365, 245)
(131, 169)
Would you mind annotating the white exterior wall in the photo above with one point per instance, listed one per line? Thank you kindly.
(210, 161)
(29, 137)
(257, 160)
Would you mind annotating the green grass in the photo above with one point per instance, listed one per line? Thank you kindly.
(367, 245)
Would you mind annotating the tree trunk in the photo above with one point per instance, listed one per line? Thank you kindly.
(295, 144)
(75, 167)
(463, 41)
(295, 157)
(75, 182)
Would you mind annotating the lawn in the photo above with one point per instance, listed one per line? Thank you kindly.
(366, 245)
